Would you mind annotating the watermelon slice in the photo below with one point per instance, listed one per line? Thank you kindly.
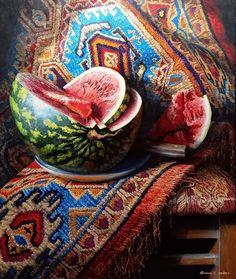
(129, 114)
(78, 109)
(96, 97)
(185, 122)
(69, 128)
(103, 89)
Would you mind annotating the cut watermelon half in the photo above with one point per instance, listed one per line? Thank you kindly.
(76, 108)
(103, 89)
(97, 97)
(185, 122)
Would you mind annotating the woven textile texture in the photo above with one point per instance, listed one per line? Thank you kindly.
(209, 190)
(56, 228)
(159, 47)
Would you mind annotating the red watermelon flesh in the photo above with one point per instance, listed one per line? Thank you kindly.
(185, 122)
(78, 109)
(91, 99)
(103, 88)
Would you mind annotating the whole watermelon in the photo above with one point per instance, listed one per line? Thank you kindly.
(61, 141)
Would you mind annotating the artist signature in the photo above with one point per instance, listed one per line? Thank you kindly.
(214, 272)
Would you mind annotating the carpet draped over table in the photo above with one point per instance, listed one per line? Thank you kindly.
(56, 228)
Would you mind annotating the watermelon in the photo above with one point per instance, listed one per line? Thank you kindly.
(103, 93)
(185, 122)
(68, 129)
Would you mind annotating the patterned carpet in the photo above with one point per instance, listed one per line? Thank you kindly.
(208, 191)
(172, 47)
(55, 228)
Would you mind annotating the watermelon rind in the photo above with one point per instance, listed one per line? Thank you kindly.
(205, 126)
(129, 114)
(186, 121)
(124, 105)
(63, 142)
(122, 108)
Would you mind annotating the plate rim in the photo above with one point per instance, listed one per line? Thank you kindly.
(94, 177)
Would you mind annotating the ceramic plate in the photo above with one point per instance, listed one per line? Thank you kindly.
(133, 162)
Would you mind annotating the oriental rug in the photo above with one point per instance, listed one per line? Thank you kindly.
(159, 46)
(55, 228)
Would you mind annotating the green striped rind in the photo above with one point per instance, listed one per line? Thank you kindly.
(61, 141)
(121, 109)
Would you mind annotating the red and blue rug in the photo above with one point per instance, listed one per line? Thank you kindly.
(159, 46)
(55, 228)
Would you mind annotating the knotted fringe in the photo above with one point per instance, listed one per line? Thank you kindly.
(126, 253)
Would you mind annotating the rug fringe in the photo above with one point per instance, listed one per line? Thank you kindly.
(140, 235)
